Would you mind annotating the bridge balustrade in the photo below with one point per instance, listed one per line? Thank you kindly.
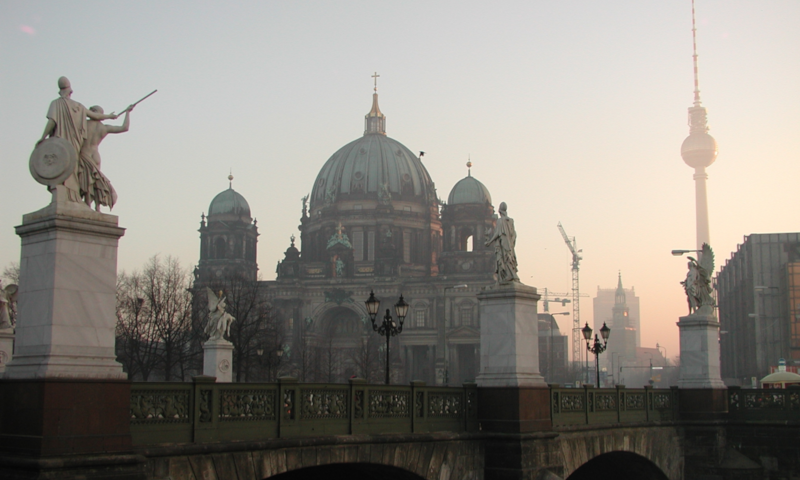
(205, 411)
(762, 404)
(599, 406)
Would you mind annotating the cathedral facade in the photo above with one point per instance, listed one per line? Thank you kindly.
(372, 222)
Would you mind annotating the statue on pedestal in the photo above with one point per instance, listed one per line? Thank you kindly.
(504, 239)
(8, 301)
(66, 119)
(698, 282)
(219, 321)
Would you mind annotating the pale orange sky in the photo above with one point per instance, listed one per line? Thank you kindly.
(570, 111)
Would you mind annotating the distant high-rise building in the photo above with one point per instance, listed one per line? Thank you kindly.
(552, 350)
(758, 293)
(699, 150)
(619, 309)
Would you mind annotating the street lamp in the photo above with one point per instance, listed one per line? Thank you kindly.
(597, 348)
(388, 328)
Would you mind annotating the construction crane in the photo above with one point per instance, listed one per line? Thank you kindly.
(546, 300)
(578, 353)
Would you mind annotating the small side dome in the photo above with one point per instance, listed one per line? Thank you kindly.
(229, 202)
(469, 190)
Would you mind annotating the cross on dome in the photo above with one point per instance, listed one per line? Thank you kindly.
(375, 78)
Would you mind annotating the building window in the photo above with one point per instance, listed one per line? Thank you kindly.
(219, 248)
(407, 247)
(465, 315)
(420, 317)
(358, 245)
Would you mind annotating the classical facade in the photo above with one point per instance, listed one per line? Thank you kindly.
(372, 222)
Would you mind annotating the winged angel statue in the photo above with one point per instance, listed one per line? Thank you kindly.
(698, 282)
(219, 321)
(8, 300)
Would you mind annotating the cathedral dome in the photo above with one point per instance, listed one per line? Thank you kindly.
(469, 190)
(365, 168)
(229, 202)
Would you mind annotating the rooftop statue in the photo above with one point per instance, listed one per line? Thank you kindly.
(219, 321)
(8, 300)
(504, 239)
(698, 282)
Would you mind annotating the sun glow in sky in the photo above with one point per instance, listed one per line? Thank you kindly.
(571, 111)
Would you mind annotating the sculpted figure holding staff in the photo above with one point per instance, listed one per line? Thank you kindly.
(94, 186)
(67, 119)
(67, 154)
(504, 239)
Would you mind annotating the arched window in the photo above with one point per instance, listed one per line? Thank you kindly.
(219, 247)
(469, 244)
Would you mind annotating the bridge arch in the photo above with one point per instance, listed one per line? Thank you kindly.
(618, 465)
(354, 471)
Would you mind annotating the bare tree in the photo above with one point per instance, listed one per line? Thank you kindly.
(11, 273)
(136, 341)
(154, 322)
(367, 358)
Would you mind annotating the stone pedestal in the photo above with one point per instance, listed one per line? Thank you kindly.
(509, 337)
(67, 295)
(218, 360)
(6, 348)
(699, 335)
(512, 395)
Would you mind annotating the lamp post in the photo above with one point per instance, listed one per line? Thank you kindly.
(596, 348)
(388, 328)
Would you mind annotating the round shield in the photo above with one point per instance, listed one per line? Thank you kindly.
(52, 161)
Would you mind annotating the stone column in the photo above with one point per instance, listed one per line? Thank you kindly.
(699, 336)
(63, 393)
(67, 295)
(701, 390)
(509, 337)
(512, 395)
(218, 360)
(6, 348)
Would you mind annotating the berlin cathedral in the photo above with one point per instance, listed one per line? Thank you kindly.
(372, 222)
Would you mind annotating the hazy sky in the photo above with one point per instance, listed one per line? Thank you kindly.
(571, 111)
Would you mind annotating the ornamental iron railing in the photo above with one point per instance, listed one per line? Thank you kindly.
(205, 411)
(603, 406)
(764, 404)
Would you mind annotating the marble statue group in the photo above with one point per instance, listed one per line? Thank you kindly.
(504, 239)
(79, 131)
(219, 321)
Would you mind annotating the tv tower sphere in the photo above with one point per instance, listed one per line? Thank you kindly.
(699, 150)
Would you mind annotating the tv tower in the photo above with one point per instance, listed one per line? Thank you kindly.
(699, 150)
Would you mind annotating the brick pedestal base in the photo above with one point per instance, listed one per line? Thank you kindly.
(64, 417)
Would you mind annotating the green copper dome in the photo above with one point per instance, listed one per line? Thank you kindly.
(365, 167)
(229, 202)
(469, 190)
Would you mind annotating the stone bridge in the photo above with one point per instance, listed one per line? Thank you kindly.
(287, 430)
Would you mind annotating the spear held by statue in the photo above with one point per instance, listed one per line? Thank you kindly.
(130, 107)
